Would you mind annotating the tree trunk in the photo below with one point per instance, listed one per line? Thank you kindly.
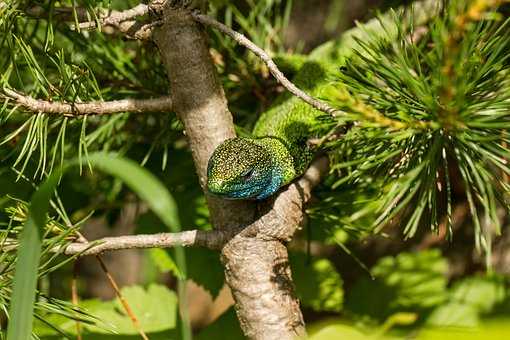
(256, 260)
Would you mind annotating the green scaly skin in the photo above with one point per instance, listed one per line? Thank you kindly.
(255, 168)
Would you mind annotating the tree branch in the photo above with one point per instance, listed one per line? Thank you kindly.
(133, 29)
(123, 21)
(256, 269)
(212, 239)
(257, 266)
(112, 20)
(242, 40)
(161, 104)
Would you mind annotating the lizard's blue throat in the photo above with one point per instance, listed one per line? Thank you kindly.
(246, 168)
(258, 188)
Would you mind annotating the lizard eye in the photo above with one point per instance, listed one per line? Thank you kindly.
(247, 174)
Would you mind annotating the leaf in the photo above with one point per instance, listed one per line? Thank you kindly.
(454, 314)
(148, 187)
(141, 181)
(205, 269)
(164, 262)
(494, 330)
(482, 293)
(409, 281)
(468, 300)
(318, 284)
(335, 330)
(225, 327)
(402, 319)
(155, 308)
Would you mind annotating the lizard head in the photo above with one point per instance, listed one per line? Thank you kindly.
(239, 168)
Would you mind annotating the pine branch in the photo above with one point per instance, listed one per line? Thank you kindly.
(121, 21)
(444, 102)
(114, 18)
(161, 104)
(275, 71)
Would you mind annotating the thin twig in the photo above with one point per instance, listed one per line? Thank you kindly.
(161, 104)
(123, 301)
(115, 286)
(123, 21)
(114, 18)
(241, 39)
(212, 239)
(74, 297)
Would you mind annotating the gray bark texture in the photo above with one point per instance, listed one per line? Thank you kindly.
(255, 259)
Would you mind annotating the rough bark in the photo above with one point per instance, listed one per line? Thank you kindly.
(256, 259)
(199, 101)
(257, 264)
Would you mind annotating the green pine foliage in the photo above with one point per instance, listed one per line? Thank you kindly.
(55, 235)
(44, 57)
(430, 112)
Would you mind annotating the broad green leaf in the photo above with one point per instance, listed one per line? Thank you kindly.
(346, 329)
(205, 269)
(454, 314)
(143, 183)
(494, 330)
(148, 187)
(164, 262)
(155, 308)
(318, 284)
(335, 330)
(469, 299)
(409, 281)
(225, 327)
(482, 293)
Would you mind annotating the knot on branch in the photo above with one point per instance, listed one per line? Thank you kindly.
(282, 216)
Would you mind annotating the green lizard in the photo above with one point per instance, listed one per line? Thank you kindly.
(242, 168)
(255, 168)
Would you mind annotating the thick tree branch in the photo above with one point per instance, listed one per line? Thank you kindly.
(200, 102)
(161, 104)
(275, 71)
(257, 266)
